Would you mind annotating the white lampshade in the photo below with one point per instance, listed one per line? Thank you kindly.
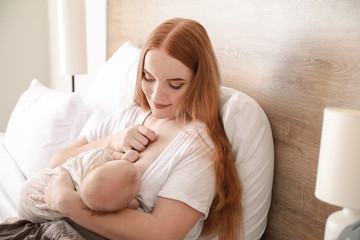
(72, 37)
(338, 175)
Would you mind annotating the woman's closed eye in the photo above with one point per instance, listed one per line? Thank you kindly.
(176, 85)
(148, 79)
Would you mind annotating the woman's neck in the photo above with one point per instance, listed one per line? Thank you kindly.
(162, 123)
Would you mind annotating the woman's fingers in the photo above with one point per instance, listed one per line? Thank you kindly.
(136, 144)
(40, 202)
(136, 137)
(43, 206)
(37, 198)
(39, 187)
(149, 134)
(141, 137)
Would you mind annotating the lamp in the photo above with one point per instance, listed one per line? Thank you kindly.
(338, 176)
(72, 38)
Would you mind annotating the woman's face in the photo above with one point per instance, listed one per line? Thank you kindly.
(165, 83)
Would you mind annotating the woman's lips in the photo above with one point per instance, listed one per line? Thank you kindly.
(160, 106)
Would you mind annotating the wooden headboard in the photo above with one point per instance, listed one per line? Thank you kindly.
(294, 58)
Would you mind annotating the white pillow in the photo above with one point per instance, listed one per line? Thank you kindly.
(249, 132)
(42, 122)
(114, 85)
(97, 117)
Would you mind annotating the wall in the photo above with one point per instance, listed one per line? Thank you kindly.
(29, 49)
(24, 50)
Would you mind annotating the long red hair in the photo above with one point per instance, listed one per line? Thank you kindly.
(187, 41)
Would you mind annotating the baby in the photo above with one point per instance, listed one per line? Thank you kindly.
(105, 185)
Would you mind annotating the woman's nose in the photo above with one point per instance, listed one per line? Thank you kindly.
(158, 92)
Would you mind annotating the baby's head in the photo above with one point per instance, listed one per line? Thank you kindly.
(110, 187)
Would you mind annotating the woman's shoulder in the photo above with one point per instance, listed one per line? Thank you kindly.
(198, 134)
(197, 128)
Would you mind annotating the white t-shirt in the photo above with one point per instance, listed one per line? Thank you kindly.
(183, 171)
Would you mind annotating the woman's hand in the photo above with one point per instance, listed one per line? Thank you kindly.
(136, 137)
(56, 192)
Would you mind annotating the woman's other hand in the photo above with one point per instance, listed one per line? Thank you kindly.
(56, 191)
(136, 137)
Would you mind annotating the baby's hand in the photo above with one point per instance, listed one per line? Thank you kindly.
(131, 156)
(116, 155)
(134, 204)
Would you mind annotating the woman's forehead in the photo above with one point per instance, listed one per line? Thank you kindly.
(160, 64)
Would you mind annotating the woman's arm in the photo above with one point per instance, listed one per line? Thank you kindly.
(171, 219)
(79, 146)
(135, 137)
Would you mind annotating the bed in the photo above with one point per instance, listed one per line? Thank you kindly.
(287, 60)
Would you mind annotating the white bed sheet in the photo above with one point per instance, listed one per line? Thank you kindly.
(11, 180)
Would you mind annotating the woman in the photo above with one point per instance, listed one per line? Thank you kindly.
(190, 185)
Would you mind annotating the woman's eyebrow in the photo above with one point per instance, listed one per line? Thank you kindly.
(176, 79)
(171, 79)
(146, 71)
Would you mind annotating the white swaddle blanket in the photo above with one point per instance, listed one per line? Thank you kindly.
(77, 168)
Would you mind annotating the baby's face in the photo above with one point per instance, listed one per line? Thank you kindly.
(104, 185)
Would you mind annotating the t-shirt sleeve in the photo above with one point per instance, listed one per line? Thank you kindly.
(101, 130)
(109, 126)
(192, 181)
